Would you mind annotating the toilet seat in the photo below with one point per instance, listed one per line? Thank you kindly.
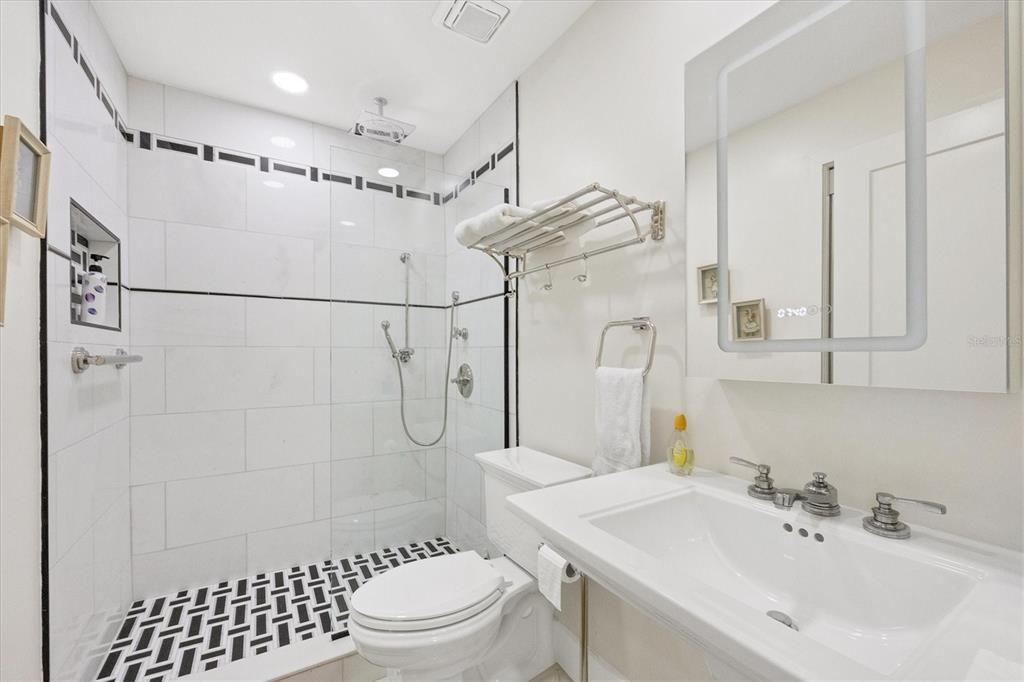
(428, 594)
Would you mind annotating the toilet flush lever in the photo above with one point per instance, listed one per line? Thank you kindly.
(763, 487)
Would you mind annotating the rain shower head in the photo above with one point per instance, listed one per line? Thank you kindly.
(376, 125)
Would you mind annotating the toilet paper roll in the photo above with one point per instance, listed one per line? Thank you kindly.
(552, 570)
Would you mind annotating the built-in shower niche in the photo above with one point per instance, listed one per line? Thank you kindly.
(95, 293)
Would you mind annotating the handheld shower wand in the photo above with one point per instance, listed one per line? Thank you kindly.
(385, 325)
(399, 356)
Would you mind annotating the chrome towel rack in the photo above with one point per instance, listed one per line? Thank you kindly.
(639, 324)
(549, 226)
(81, 359)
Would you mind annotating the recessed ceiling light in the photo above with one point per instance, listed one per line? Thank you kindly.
(347, 223)
(290, 82)
(273, 184)
(387, 172)
(283, 142)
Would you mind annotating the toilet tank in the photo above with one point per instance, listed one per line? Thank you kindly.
(517, 470)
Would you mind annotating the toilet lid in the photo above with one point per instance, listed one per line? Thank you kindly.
(428, 589)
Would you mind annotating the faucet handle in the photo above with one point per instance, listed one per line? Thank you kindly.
(885, 520)
(885, 501)
(763, 487)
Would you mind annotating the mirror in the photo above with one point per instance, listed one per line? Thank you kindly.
(847, 217)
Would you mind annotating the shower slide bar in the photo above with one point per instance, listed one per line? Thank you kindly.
(549, 226)
(81, 359)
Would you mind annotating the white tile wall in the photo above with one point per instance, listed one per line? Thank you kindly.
(370, 483)
(209, 259)
(172, 186)
(180, 320)
(287, 436)
(409, 522)
(147, 518)
(352, 534)
(183, 567)
(477, 424)
(167, 447)
(200, 378)
(272, 322)
(270, 550)
(266, 432)
(89, 501)
(203, 509)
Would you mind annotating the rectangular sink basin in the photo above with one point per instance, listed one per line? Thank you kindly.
(862, 600)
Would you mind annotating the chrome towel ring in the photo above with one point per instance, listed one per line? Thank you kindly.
(639, 324)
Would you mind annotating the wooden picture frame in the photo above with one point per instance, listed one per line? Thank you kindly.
(24, 178)
(707, 283)
(748, 320)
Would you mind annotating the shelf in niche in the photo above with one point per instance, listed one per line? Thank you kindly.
(93, 244)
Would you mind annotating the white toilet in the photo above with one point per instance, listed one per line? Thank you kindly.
(461, 616)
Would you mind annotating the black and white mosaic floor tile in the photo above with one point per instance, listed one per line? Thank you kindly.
(203, 628)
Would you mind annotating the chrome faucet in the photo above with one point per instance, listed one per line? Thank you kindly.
(816, 497)
(885, 520)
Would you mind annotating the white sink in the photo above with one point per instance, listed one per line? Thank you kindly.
(705, 558)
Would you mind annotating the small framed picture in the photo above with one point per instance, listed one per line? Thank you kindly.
(707, 283)
(748, 322)
(24, 178)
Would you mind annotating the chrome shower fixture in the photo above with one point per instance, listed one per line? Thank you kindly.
(376, 125)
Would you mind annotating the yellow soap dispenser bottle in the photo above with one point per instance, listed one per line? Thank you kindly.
(680, 454)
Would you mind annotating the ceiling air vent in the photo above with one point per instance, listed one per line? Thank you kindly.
(476, 19)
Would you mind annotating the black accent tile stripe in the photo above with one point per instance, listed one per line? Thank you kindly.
(264, 164)
(506, 151)
(359, 182)
(108, 106)
(177, 147)
(88, 72)
(295, 170)
(145, 140)
(378, 186)
(413, 194)
(207, 153)
(61, 26)
(235, 158)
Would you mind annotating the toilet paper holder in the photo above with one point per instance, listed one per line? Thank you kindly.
(572, 571)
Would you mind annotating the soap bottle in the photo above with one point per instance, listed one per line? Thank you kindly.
(680, 454)
(94, 292)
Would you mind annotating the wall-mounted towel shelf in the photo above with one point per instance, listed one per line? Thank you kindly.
(550, 225)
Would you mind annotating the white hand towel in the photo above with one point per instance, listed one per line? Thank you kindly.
(622, 417)
(472, 230)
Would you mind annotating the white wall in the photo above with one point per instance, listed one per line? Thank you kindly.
(477, 424)
(88, 427)
(20, 620)
(961, 449)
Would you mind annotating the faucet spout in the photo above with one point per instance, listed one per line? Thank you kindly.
(817, 497)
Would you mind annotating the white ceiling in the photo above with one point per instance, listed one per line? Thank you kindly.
(349, 51)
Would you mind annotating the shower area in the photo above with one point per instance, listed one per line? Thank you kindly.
(298, 421)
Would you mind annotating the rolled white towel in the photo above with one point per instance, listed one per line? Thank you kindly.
(568, 214)
(472, 230)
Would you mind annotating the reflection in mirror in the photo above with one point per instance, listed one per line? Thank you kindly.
(817, 197)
